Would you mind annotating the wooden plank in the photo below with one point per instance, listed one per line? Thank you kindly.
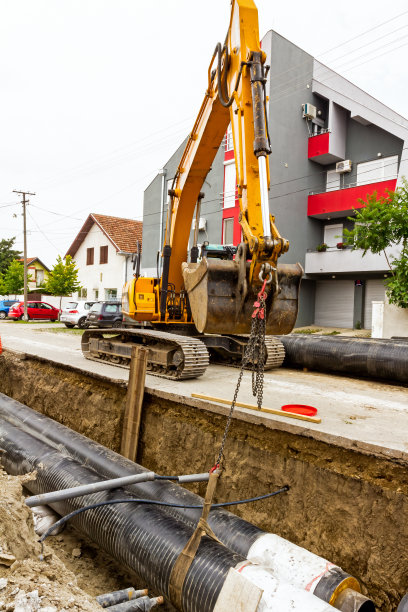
(134, 402)
(238, 594)
(282, 413)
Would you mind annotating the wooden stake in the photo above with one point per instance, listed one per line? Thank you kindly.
(283, 413)
(134, 402)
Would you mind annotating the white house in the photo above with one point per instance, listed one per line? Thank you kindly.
(104, 251)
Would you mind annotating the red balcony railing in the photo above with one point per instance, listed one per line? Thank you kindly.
(341, 203)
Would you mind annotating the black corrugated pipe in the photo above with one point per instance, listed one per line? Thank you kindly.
(386, 359)
(237, 534)
(141, 537)
(233, 531)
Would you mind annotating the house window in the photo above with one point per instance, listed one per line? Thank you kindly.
(332, 181)
(229, 143)
(83, 292)
(96, 294)
(89, 257)
(103, 254)
(230, 181)
(39, 278)
(228, 231)
(383, 169)
(111, 294)
(333, 234)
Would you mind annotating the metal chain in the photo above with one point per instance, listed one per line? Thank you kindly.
(255, 352)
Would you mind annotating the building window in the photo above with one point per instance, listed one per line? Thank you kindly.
(89, 257)
(228, 231)
(229, 143)
(230, 182)
(96, 294)
(383, 169)
(332, 181)
(39, 278)
(333, 234)
(103, 254)
(83, 292)
(111, 294)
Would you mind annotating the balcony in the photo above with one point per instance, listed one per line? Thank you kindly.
(342, 202)
(346, 261)
(325, 148)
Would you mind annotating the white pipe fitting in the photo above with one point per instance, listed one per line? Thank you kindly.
(300, 567)
(278, 595)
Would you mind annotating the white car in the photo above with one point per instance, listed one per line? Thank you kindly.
(74, 313)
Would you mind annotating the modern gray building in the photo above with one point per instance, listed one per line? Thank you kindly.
(332, 144)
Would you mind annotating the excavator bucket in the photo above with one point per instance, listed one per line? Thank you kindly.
(222, 303)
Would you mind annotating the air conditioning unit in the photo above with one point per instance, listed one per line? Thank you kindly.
(202, 224)
(344, 166)
(309, 111)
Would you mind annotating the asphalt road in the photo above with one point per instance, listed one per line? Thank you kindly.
(64, 347)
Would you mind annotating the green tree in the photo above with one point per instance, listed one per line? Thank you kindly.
(7, 254)
(63, 278)
(3, 290)
(14, 278)
(380, 224)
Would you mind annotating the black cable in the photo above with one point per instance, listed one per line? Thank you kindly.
(66, 518)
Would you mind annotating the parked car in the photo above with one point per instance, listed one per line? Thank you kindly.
(35, 310)
(75, 313)
(105, 314)
(5, 307)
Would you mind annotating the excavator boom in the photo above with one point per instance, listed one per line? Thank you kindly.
(215, 296)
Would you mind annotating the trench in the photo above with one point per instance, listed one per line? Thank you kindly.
(346, 506)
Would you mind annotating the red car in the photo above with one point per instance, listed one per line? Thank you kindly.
(35, 310)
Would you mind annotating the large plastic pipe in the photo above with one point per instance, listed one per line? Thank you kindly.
(141, 537)
(237, 534)
(403, 605)
(386, 359)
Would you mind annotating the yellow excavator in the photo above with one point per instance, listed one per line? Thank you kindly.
(201, 308)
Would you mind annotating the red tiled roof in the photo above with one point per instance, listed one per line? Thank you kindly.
(122, 233)
(31, 260)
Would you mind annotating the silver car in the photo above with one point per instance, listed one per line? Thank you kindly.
(74, 313)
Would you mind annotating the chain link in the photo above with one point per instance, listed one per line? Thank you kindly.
(255, 353)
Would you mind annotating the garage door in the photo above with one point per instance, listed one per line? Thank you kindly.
(374, 290)
(334, 303)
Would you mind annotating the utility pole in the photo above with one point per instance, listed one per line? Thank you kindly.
(24, 203)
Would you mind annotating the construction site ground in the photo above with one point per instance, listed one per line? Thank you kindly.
(369, 415)
(347, 475)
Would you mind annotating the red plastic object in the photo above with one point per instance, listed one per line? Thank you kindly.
(300, 409)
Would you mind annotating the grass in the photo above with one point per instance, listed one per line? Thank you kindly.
(332, 333)
(31, 322)
(307, 331)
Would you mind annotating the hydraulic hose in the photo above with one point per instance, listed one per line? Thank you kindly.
(385, 359)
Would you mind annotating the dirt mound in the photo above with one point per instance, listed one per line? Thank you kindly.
(28, 584)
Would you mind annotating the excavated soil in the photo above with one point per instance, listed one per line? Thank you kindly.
(31, 584)
(344, 505)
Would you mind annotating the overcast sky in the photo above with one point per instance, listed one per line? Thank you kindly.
(95, 95)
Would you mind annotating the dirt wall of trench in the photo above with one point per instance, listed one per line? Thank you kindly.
(348, 507)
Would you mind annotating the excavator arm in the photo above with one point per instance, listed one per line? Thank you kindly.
(210, 303)
(221, 293)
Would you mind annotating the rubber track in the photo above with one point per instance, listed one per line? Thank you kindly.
(275, 354)
(196, 358)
